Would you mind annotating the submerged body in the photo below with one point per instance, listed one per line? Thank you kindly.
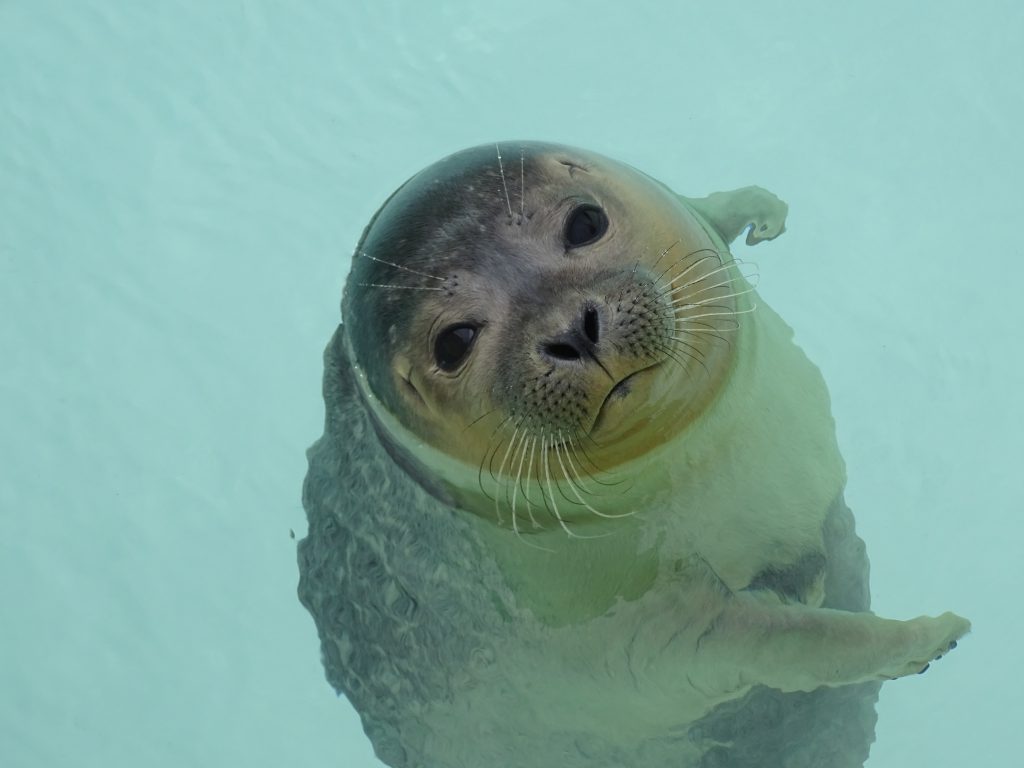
(578, 501)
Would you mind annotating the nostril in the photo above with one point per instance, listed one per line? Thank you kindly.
(561, 351)
(591, 325)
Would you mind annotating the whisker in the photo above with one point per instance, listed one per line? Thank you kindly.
(678, 327)
(751, 279)
(503, 482)
(401, 287)
(590, 460)
(494, 453)
(616, 480)
(574, 490)
(567, 446)
(721, 314)
(483, 416)
(684, 304)
(713, 255)
(515, 488)
(533, 520)
(713, 330)
(700, 331)
(526, 495)
(519, 451)
(607, 484)
(565, 475)
(726, 267)
(727, 284)
(527, 542)
(522, 184)
(551, 495)
(488, 457)
(516, 484)
(680, 307)
(550, 503)
(663, 254)
(671, 353)
(496, 476)
(501, 168)
(699, 354)
(557, 446)
(399, 266)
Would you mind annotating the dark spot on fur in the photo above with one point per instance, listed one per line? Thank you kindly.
(793, 581)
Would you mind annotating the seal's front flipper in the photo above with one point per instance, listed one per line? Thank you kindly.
(750, 208)
(797, 648)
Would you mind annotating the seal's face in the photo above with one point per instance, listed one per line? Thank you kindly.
(540, 311)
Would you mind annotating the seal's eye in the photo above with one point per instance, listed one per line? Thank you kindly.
(585, 225)
(453, 345)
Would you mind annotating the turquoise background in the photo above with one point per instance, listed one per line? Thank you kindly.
(181, 185)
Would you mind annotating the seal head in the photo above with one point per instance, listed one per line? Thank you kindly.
(543, 311)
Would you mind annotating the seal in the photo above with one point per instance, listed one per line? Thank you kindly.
(578, 500)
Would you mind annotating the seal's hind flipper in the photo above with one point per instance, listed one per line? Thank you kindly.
(754, 209)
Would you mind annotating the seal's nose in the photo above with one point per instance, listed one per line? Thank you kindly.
(578, 340)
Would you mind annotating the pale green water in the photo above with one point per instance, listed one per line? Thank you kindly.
(181, 185)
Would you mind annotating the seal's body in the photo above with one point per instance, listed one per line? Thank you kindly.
(578, 502)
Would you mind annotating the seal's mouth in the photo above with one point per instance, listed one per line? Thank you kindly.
(620, 390)
(617, 393)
